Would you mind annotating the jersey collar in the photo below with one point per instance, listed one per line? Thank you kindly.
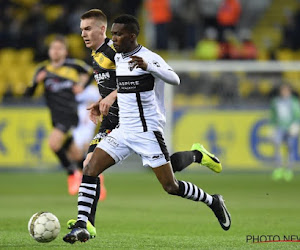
(102, 46)
(137, 49)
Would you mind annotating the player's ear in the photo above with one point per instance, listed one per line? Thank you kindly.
(133, 36)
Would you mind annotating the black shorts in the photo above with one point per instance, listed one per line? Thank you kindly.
(65, 123)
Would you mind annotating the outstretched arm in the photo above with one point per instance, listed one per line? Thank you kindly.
(159, 69)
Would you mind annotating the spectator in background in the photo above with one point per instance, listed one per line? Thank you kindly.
(291, 36)
(35, 25)
(209, 10)
(131, 7)
(185, 22)
(248, 48)
(208, 48)
(230, 46)
(160, 15)
(285, 117)
(228, 16)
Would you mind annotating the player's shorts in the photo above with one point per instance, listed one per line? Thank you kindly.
(97, 138)
(149, 145)
(83, 134)
(65, 124)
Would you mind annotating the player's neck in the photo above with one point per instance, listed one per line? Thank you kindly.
(100, 43)
(131, 48)
(58, 63)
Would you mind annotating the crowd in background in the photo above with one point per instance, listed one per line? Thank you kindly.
(215, 29)
(208, 29)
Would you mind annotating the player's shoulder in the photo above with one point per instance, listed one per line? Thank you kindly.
(75, 62)
(42, 65)
(147, 53)
(107, 49)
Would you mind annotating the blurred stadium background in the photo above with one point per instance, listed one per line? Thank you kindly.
(230, 68)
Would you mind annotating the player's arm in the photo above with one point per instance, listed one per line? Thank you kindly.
(95, 114)
(158, 68)
(85, 74)
(84, 80)
(39, 76)
(106, 102)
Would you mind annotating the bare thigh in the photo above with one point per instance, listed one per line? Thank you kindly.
(99, 161)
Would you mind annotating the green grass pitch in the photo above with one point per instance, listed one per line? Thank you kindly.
(137, 214)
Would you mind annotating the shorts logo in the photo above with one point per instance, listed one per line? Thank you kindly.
(156, 157)
(112, 141)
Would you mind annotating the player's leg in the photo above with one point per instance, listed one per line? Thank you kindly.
(100, 190)
(154, 153)
(100, 161)
(190, 191)
(56, 139)
(107, 153)
(56, 143)
(288, 174)
(198, 154)
(278, 140)
(76, 154)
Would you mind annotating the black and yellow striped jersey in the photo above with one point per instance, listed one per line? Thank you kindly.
(58, 85)
(105, 76)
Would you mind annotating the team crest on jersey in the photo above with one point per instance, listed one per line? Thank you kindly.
(101, 58)
(156, 64)
(131, 65)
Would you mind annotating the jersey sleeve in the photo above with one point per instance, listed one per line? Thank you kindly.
(83, 68)
(34, 83)
(159, 68)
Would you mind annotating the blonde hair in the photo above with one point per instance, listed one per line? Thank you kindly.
(97, 14)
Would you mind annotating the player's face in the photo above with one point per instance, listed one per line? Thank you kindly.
(285, 91)
(121, 38)
(92, 32)
(57, 51)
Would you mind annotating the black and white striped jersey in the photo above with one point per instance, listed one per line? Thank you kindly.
(141, 93)
(105, 76)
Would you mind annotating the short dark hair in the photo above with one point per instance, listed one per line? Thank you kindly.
(131, 23)
(95, 13)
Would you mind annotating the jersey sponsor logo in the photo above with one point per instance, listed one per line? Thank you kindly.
(100, 77)
(128, 85)
(55, 85)
(133, 84)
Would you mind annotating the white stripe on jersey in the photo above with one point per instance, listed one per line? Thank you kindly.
(140, 93)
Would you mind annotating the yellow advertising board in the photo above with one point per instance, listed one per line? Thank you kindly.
(241, 139)
(23, 138)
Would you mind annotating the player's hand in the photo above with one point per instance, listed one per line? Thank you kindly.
(138, 62)
(41, 76)
(95, 114)
(106, 103)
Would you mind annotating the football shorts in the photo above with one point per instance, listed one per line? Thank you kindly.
(150, 146)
